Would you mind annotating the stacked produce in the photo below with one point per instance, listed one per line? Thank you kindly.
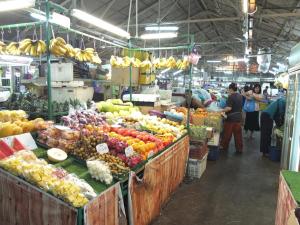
(16, 122)
(85, 147)
(38, 172)
(162, 126)
(80, 118)
(32, 104)
(199, 116)
(28, 47)
(198, 133)
(214, 119)
(55, 137)
(116, 165)
(99, 170)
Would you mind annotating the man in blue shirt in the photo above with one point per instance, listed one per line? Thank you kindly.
(274, 112)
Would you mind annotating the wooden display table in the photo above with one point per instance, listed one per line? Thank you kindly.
(24, 204)
(286, 203)
(162, 175)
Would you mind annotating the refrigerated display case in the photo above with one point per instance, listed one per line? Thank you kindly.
(290, 147)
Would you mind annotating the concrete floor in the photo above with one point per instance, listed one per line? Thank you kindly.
(235, 190)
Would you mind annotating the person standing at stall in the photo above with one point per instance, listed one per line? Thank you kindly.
(233, 121)
(251, 107)
(274, 112)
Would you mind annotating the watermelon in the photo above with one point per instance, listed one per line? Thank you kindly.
(5, 149)
(2, 156)
(17, 145)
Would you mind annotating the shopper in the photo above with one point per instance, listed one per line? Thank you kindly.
(253, 97)
(191, 101)
(274, 112)
(232, 124)
(265, 93)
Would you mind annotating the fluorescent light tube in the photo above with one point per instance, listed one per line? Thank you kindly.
(15, 60)
(238, 60)
(10, 5)
(159, 35)
(177, 72)
(245, 6)
(213, 61)
(165, 70)
(88, 18)
(161, 28)
(56, 18)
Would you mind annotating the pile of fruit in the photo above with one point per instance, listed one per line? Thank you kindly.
(85, 147)
(199, 116)
(78, 119)
(38, 172)
(58, 138)
(16, 122)
(32, 104)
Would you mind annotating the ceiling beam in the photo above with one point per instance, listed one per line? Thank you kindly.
(110, 4)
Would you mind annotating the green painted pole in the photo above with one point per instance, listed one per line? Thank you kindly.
(19, 25)
(190, 82)
(48, 34)
(130, 71)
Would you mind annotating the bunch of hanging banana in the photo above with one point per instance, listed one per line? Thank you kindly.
(3, 48)
(32, 47)
(13, 48)
(71, 52)
(85, 55)
(58, 47)
(184, 64)
(171, 63)
(146, 64)
(96, 59)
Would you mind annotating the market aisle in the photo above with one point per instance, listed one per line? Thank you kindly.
(236, 189)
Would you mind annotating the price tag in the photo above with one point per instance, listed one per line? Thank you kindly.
(129, 151)
(102, 148)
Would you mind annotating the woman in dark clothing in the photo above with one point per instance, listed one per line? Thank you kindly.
(232, 124)
(274, 112)
(252, 118)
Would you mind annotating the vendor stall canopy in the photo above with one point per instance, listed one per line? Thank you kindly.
(222, 28)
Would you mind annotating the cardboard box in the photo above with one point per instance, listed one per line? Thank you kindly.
(146, 109)
(61, 71)
(121, 76)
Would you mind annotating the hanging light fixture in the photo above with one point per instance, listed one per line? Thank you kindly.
(159, 35)
(88, 18)
(10, 5)
(161, 28)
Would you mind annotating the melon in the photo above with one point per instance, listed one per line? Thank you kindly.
(5, 149)
(2, 156)
(56, 155)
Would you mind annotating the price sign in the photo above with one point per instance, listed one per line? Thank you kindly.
(102, 148)
(129, 151)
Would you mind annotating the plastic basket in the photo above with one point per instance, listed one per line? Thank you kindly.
(275, 154)
(197, 120)
(213, 153)
(197, 167)
(198, 133)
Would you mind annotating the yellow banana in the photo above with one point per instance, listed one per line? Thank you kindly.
(61, 41)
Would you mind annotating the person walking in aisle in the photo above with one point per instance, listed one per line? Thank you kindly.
(251, 107)
(265, 93)
(274, 112)
(232, 124)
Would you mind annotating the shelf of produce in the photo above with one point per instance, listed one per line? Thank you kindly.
(35, 206)
(288, 198)
(163, 174)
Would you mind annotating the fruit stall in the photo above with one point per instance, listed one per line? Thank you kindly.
(80, 169)
(95, 163)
